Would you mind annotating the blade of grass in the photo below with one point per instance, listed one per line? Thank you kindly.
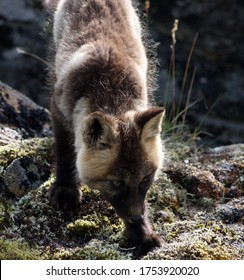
(186, 70)
(189, 94)
(21, 51)
(187, 108)
(210, 110)
(173, 35)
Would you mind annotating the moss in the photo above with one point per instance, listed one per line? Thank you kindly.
(200, 239)
(94, 250)
(198, 250)
(178, 150)
(16, 250)
(95, 232)
(81, 227)
(166, 200)
(89, 194)
(2, 214)
(191, 226)
(40, 149)
(5, 218)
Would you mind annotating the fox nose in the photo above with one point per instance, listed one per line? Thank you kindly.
(136, 218)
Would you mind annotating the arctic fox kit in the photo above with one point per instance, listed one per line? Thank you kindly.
(105, 129)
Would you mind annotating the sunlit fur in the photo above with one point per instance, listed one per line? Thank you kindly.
(96, 164)
(105, 128)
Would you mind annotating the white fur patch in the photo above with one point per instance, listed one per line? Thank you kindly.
(58, 17)
(135, 27)
(77, 59)
(78, 116)
(142, 73)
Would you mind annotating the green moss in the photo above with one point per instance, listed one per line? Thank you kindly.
(40, 149)
(2, 214)
(16, 250)
(190, 226)
(81, 227)
(5, 210)
(90, 194)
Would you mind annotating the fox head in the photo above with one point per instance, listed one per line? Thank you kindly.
(121, 158)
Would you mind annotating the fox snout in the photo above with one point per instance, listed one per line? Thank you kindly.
(130, 209)
(135, 213)
(137, 218)
(133, 218)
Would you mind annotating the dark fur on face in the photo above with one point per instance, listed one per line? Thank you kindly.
(106, 132)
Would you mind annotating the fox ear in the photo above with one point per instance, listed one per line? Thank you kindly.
(150, 122)
(99, 132)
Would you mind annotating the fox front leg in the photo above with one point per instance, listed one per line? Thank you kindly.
(65, 192)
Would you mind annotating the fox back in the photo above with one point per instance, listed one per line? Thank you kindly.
(106, 130)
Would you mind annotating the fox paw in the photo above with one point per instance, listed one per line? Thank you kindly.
(65, 197)
(149, 243)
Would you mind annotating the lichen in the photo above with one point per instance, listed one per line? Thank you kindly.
(17, 250)
(93, 250)
(197, 250)
(200, 240)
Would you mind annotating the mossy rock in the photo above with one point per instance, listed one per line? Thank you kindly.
(25, 164)
(40, 149)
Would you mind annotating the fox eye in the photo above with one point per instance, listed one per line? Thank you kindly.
(115, 184)
(146, 182)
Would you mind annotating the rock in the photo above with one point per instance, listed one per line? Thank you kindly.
(213, 173)
(23, 175)
(16, 10)
(7, 134)
(227, 165)
(15, 178)
(232, 151)
(22, 26)
(232, 212)
(20, 113)
(198, 182)
(25, 165)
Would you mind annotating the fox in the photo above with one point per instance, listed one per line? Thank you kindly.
(107, 131)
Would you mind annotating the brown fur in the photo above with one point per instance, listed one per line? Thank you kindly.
(105, 129)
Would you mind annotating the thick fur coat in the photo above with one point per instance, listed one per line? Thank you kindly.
(107, 134)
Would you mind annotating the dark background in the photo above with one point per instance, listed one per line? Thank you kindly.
(218, 58)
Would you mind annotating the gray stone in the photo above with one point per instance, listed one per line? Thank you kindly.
(16, 179)
(231, 213)
(22, 114)
(22, 175)
(16, 10)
